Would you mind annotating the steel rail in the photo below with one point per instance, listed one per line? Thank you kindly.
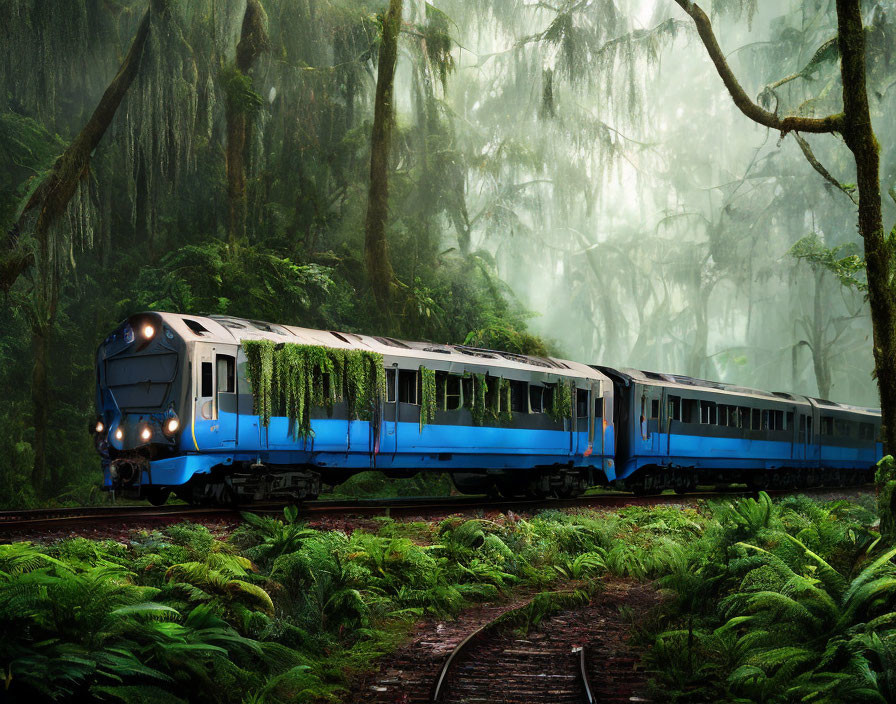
(583, 673)
(54, 517)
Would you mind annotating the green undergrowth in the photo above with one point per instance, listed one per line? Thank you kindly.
(282, 612)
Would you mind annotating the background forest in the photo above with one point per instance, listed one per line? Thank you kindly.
(567, 176)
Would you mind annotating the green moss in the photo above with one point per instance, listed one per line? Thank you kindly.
(428, 400)
(289, 379)
(561, 403)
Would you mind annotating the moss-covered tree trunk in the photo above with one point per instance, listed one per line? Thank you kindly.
(854, 123)
(51, 198)
(47, 204)
(859, 137)
(376, 254)
(240, 108)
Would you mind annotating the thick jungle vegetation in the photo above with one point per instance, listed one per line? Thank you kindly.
(569, 177)
(765, 602)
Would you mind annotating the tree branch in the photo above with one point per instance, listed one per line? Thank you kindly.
(831, 123)
(825, 174)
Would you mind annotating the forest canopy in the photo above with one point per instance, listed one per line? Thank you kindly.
(568, 177)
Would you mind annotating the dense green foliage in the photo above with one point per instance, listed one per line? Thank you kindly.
(766, 602)
(780, 602)
(280, 612)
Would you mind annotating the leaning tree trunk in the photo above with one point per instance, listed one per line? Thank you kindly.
(51, 198)
(240, 107)
(42, 211)
(376, 254)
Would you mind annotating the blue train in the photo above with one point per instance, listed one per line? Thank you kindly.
(222, 410)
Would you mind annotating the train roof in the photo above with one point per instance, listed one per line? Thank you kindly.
(684, 382)
(229, 330)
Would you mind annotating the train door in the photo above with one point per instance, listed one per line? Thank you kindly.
(583, 428)
(216, 414)
(384, 450)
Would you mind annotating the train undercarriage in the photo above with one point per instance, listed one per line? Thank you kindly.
(246, 483)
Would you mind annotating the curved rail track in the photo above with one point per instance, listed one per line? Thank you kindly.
(61, 518)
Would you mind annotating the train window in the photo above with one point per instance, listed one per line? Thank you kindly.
(690, 410)
(827, 426)
(773, 420)
(866, 431)
(755, 419)
(722, 410)
(536, 398)
(843, 428)
(789, 425)
(207, 380)
(390, 386)
(675, 408)
(655, 408)
(708, 413)
(581, 403)
(440, 390)
(453, 396)
(518, 401)
(225, 373)
(733, 417)
(802, 431)
(598, 407)
(407, 387)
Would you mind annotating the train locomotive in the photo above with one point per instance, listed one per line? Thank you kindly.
(185, 405)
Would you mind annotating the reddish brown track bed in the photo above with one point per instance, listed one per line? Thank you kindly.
(503, 667)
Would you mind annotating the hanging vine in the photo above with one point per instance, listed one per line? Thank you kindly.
(289, 379)
(260, 362)
(477, 402)
(428, 400)
(506, 412)
(561, 403)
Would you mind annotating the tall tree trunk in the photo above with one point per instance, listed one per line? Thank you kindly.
(854, 123)
(819, 347)
(859, 137)
(50, 199)
(240, 108)
(376, 254)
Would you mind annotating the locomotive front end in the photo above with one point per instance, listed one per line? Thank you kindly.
(142, 398)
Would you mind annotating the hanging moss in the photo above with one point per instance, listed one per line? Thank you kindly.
(561, 404)
(260, 361)
(506, 412)
(428, 399)
(289, 379)
(478, 405)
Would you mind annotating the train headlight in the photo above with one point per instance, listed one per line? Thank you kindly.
(99, 427)
(119, 434)
(146, 434)
(171, 426)
(148, 331)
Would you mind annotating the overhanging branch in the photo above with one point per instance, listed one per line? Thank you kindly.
(831, 123)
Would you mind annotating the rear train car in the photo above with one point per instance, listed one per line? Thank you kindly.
(176, 414)
(675, 432)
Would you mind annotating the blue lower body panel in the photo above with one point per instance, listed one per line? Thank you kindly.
(701, 452)
(337, 444)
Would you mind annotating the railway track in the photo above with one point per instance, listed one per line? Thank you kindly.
(62, 518)
(568, 659)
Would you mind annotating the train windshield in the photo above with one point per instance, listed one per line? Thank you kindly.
(141, 382)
